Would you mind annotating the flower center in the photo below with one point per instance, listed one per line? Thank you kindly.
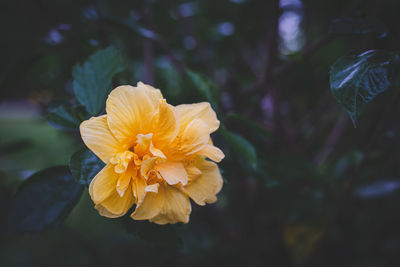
(141, 150)
(143, 143)
(121, 161)
(128, 163)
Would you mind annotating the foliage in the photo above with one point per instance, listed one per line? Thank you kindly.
(43, 201)
(66, 118)
(241, 146)
(301, 186)
(205, 87)
(92, 80)
(84, 166)
(357, 79)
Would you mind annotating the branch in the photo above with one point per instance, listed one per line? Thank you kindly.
(100, 26)
(332, 140)
(307, 53)
(148, 53)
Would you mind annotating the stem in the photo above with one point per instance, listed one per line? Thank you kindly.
(148, 53)
(148, 58)
(308, 52)
(100, 26)
(332, 140)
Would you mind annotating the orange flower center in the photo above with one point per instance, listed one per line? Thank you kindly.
(128, 163)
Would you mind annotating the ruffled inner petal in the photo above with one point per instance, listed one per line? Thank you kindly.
(173, 172)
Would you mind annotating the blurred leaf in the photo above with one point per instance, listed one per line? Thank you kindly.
(301, 241)
(131, 24)
(43, 201)
(43, 146)
(67, 118)
(356, 80)
(378, 189)
(84, 166)
(299, 167)
(15, 147)
(241, 146)
(352, 158)
(357, 25)
(204, 86)
(249, 123)
(92, 80)
(164, 235)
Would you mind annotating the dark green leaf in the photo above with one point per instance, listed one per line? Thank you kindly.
(43, 201)
(249, 123)
(204, 86)
(84, 166)
(161, 235)
(356, 80)
(241, 146)
(66, 118)
(92, 80)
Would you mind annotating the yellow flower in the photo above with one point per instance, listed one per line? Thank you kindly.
(155, 156)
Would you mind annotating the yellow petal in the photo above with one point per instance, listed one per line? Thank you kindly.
(103, 184)
(194, 137)
(153, 93)
(150, 206)
(143, 142)
(193, 172)
(176, 207)
(115, 205)
(173, 172)
(121, 161)
(138, 189)
(211, 152)
(165, 125)
(98, 138)
(104, 212)
(127, 107)
(203, 111)
(147, 166)
(157, 152)
(204, 189)
(152, 188)
(125, 179)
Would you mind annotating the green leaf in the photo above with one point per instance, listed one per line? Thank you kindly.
(66, 118)
(84, 166)
(160, 235)
(43, 201)
(249, 123)
(92, 80)
(241, 146)
(204, 86)
(356, 80)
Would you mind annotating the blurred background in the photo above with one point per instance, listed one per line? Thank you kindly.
(322, 193)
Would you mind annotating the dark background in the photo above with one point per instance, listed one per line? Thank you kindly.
(324, 193)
